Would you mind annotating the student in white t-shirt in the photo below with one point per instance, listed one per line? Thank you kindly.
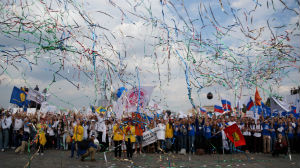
(17, 125)
(257, 138)
(161, 134)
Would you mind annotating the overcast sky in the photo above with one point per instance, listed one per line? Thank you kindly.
(138, 42)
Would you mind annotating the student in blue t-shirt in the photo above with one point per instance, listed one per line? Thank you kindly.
(216, 139)
(290, 134)
(177, 136)
(266, 136)
(184, 132)
(191, 135)
(281, 128)
(273, 135)
(297, 138)
(207, 136)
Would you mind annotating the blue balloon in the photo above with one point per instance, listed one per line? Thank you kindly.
(120, 91)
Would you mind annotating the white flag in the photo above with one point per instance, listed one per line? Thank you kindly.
(135, 98)
(36, 96)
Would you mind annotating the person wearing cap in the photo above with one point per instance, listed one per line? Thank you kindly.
(92, 128)
(24, 143)
(129, 138)
(117, 138)
(91, 149)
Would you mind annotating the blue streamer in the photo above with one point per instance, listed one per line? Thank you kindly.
(139, 83)
(187, 79)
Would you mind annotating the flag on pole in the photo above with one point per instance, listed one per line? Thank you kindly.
(218, 109)
(234, 134)
(226, 105)
(36, 96)
(293, 109)
(257, 98)
(238, 107)
(18, 97)
(202, 110)
(250, 104)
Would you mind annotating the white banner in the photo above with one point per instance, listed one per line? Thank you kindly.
(294, 100)
(36, 96)
(149, 137)
(45, 107)
(15, 110)
(252, 114)
(279, 105)
(31, 110)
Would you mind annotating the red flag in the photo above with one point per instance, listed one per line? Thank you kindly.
(257, 98)
(234, 134)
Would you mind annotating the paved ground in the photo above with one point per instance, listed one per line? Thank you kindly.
(53, 158)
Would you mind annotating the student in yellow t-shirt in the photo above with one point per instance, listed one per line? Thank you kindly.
(41, 136)
(118, 137)
(129, 138)
(77, 137)
(169, 136)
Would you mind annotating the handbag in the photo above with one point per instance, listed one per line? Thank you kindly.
(68, 139)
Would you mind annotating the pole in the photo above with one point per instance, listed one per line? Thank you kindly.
(137, 74)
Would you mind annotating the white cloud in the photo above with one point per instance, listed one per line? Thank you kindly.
(137, 36)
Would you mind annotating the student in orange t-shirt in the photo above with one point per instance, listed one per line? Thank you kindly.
(139, 129)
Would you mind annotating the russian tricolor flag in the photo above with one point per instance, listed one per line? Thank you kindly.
(203, 110)
(293, 109)
(226, 105)
(250, 104)
(218, 109)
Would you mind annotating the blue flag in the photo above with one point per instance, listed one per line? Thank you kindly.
(18, 97)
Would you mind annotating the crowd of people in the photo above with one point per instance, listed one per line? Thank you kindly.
(84, 134)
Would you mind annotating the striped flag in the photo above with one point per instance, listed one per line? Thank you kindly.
(203, 110)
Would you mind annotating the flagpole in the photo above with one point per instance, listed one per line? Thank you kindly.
(137, 73)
